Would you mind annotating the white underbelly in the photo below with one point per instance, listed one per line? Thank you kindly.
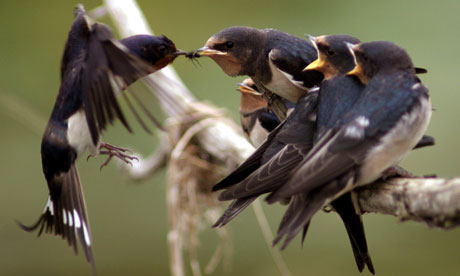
(78, 134)
(258, 134)
(396, 144)
(283, 85)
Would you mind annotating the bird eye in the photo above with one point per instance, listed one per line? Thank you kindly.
(363, 57)
(162, 49)
(329, 52)
(229, 44)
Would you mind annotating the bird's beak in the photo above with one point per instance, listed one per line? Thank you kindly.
(357, 71)
(318, 64)
(243, 88)
(180, 52)
(206, 51)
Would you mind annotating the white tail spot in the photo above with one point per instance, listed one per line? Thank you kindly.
(85, 232)
(49, 206)
(70, 218)
(77, 219)
(64, 216)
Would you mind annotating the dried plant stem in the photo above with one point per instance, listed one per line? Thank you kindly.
(268, 236)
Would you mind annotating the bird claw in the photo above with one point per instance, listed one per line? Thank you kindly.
(396, 171)
(117, 152)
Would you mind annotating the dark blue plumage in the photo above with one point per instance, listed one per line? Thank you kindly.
(273, 59)
(94, 69)
(384, 123)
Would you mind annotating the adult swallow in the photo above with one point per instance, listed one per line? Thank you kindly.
(273, 59)
(383, 125)
(94, 69)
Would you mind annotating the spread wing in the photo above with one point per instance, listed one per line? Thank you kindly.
(108, 69)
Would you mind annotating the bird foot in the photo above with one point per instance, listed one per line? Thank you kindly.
(118, 152)
(396, 171)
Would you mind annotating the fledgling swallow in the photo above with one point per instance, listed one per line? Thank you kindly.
(294, 137)
(334, 59)
(261, 126)
(95, 69)
(256, 119)
(379, 130)
(273, 59)
(271, 174)
(337, 94)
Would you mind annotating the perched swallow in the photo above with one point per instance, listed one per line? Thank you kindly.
(272, 174)
(256, 119)
(95, 68)
(273, 59)
(334, 59)
(337, 94)
(383, 125)
(294, 146)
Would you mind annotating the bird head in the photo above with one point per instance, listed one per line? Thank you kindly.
(377, 57)
(334, 56)
(158, 51)
(232, 48)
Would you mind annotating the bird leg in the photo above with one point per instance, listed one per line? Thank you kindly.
(276, 104)
(118, 152)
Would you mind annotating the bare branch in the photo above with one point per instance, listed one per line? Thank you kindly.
(434, 201)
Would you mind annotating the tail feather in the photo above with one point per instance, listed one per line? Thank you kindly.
(236, 207)
(355, 229)
(304, 207)
(65, 215)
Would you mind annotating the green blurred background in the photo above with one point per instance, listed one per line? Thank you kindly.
(128, 220)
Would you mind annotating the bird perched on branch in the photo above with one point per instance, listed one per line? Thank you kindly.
(337, 94)
(273, 59)
(383, 125)
(259, 175)
(95, 69)
(256, 119)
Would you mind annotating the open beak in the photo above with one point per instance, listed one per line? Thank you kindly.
(206, 51)
(243, 88)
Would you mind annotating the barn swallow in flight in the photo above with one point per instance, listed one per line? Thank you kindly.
(95, 69)
(383, 125)
(273, 59)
